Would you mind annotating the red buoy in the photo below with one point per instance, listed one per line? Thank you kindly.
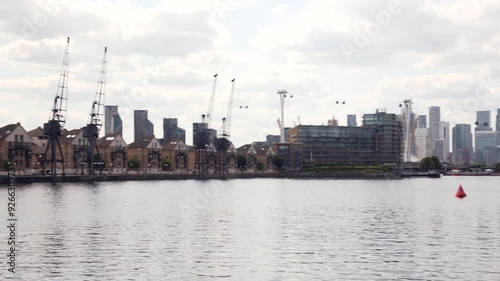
(460, 192)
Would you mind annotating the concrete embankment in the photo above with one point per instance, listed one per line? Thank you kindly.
(143, 177)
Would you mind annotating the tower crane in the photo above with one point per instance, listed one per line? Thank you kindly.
(226, 121)
(91, 131)
(208, 115)
(57, 118)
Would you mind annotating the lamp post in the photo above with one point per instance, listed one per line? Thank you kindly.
(283, 94)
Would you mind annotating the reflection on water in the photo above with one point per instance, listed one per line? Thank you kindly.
(260, 230)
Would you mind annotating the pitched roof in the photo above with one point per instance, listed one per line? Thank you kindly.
(263, 150)
(6, 130)
(69, 136)
(172, 143)
(141, 143)
(107, 139)
(35, 133)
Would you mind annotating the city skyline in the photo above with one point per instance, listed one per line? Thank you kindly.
(370, 55)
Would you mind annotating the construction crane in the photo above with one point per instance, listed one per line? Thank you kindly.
(57, 118)
(226, 121)
(91, 131)
(208, 116)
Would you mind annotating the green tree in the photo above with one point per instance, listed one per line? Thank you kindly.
(279, 162)
(430, 163)
(166, 164)
(241, 161)
(134, 163)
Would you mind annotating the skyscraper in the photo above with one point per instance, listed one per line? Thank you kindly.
(498, 120)
(462, 143)
(422, 121)
(483, 121)
(202, 134)
(351, 120)
(434, 119)
(143, 128)
(171, 130)
(112, 120)
(443, 139)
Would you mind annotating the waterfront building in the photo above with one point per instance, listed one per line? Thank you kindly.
(15, 148)
(265, 155)
(462, 144)
(74, 147)
(249, 151)
(291, 153)
(113, 150)
(148, 152)
(112, 120)
(171, 130)
(378, 141)
(143, 128)
(351, 120)
(176, 151)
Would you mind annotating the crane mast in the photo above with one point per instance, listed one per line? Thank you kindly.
(226, 121)
(208, 116)
(91, 131)
(57, 118)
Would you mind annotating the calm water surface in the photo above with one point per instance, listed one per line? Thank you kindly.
(262, 229)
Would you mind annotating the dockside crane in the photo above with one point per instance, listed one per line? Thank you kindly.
(208, 116)
(91, 131)
(54, 127)
(226, 121)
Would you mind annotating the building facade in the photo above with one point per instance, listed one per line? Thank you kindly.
(172, 130)
(112, 120)
(462, 144)
(351, 120)
(483, 121)
(143, 128)
(378, 141)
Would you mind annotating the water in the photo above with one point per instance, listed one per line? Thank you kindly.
(262, 229)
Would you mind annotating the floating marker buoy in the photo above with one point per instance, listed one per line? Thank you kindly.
(460, 192)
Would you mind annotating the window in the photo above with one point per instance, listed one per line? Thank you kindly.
(16, 137)
(21, 137)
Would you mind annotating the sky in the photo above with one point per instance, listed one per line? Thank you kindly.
(162, 56)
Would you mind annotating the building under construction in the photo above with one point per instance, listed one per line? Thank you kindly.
(378, 141)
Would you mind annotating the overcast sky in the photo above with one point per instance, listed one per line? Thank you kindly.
(162, 56)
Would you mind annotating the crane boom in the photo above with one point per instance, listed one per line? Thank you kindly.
(211, 104)
(226, 121)
(57, 118)
(91, 131)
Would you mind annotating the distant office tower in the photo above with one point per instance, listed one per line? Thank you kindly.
(422, 143)
(483, 121)
(434, 119)
(112, 120)
(272, 139)
(351, 120)
(498, 120)
(333, 122)
(422, 121)
(201, 134)
(143, 128)
(485, 141)
(171, 130)
(462, 144)
(443, 139)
